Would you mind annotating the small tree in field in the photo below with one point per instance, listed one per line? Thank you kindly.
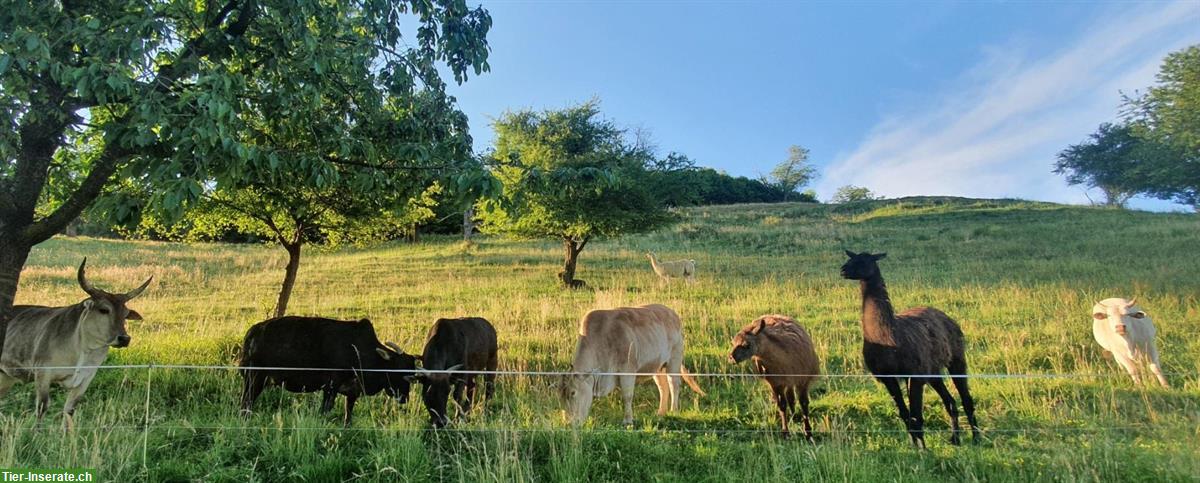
(571, 176)
(1108, 161)
(851, 193)
(794, 173)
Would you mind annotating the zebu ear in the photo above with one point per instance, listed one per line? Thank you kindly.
(762, 324)
(133, 315)
(849, 253)
(879, 256)
(383, 353)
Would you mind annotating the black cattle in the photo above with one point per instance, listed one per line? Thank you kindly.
(314, 342)
(467, 344)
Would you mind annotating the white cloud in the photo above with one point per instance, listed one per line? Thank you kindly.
(996, 135)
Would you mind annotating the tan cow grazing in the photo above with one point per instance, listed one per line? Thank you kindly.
(645, 339)
(72, 341)
(778, 345)
(1125, 331)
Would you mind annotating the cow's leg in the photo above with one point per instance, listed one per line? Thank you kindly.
(6, 383)
(951, 407)
(252, 386)
(469, 394)
(489, 380)
(627, 386)
(664, 391)
(1154, 367)
(1130, 367)
(42, 388)
(802, 394)
(328, 395)
(916, 392)
(781, 402)
(676, 368)
(72, 399)
(351, 398)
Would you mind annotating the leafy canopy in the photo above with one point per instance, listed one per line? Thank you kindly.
(850, 193)
(1111, 160)
(1168, 114)
(569, 174)
(186, 99)
(793, 173)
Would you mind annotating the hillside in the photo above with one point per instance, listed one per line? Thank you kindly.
(1020, 277)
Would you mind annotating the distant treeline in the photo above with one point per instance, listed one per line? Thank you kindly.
(676, 186)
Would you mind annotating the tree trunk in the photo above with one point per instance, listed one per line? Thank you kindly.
(13, 254)
(468, 223)
(572, 249)
(289, 278)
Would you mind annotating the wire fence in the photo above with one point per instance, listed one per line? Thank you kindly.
(148, 423)
(417, 372)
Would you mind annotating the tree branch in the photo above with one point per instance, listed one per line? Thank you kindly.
(102, 170)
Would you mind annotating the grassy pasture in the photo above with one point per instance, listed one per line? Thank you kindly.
(1020, 278)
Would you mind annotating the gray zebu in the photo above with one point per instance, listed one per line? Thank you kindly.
(74, 340)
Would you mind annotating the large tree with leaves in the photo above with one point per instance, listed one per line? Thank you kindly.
(177, 94)
(572, 176)
(1168, 115)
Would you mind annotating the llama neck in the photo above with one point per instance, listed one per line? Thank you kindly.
(877, 314)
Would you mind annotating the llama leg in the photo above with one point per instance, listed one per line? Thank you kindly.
(893, 386)
(1154, 367)
(803, 396)
(958, 367)
(951, 408)
(916, 393)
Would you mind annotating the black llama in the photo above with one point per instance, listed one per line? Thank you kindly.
(918, 342)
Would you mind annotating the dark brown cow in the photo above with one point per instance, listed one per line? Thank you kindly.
(467, 344)
(344, 347)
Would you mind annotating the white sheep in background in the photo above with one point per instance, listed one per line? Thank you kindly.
(673, 269)
(1126, 331)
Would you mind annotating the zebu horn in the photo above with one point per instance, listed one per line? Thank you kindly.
(1131, 303)
(138, 291)
(393, 346)
(83, 282)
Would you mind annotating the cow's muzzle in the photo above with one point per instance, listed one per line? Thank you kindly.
(122, 341)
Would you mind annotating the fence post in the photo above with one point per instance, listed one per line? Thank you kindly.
(146, 420)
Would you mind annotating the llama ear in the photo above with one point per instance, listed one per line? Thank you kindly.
(879, 256)
(850, 254)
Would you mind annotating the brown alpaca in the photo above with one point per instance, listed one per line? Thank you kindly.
(778, 345)
(920, 341)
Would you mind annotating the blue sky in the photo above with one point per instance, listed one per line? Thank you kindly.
(970, 99)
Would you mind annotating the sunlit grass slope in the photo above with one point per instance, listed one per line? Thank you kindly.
(1020, 278)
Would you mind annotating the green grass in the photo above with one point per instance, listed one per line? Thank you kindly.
(1020, 277)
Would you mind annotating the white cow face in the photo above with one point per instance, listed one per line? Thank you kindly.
(1118, 314)
(577, 393)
